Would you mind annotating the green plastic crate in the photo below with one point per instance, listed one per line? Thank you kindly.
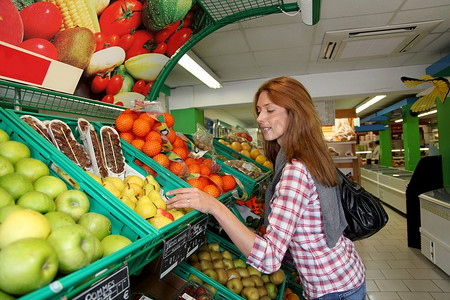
(184, 270)
(136, 255)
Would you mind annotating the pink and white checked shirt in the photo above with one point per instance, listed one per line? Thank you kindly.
(295, 222)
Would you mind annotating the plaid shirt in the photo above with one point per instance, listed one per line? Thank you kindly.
(295, 222)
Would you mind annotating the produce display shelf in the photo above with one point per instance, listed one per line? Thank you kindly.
(223, 293)
(136, 255)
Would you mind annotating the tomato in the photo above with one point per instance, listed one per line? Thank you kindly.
(100, 39)
(114, 85)
(164, 34)
(160, 48)
(112, 40)
(41, 20)
(143, 42)
(138, 86)
(121, 17)
(126, 41)
(108, 99)
(188, 19)
(40, 46)
(147, 88)
(177, 40)
(99, 83)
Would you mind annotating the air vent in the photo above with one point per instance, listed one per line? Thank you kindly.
(373, 42)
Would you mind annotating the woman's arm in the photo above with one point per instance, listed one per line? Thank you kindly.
(194, 198)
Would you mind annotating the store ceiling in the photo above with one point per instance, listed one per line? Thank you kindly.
(278, 44)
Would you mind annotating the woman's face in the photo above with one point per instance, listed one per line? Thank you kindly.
(272, 119)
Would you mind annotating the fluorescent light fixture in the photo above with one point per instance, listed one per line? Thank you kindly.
(190, 64)
(369, 103)
(398, 121)
(427, 113)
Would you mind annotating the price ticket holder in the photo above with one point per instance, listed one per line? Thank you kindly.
(183, 245)
(113, 287)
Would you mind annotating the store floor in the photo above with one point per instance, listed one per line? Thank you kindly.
(395, 271)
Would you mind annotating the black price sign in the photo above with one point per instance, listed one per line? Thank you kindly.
(116, 286)
(197, 234)
(174, 252)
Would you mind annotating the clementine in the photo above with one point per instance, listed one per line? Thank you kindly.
(138, 144)
(151, 148)
(162, 159)
(212, 190)
(153, 136)
(124, 122)
(127, 136)
(141, 127)
(229, 182)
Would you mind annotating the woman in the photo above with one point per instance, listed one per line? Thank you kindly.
(297, 219)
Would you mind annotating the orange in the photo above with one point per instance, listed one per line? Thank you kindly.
(169, 119)
(212, 190)
(292, 296)
(254, 153)
(162, 159)
(204, 170)
(138, 162)
(149, 170)
(156, 125)
(138, 144)
(205, 180)
(151, 148)
(179, 142)
(216, 179)
(260, 159)
(268, 164)
(181, 152)
(176, 168)
(124, 122)
(287, 291)
(207, 162)
(189, 160)
(195, 182)
(229, 182)
(127, 136)
(145, 116)
(141, 127)
(171, 136)
(194, 168)
(132, 113)
(236, 146)
(153, 136)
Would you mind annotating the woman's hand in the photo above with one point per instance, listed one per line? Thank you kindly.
(192, 198)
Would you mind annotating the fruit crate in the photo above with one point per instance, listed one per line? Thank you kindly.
(136, 255)
(223, 293)
(165, 178)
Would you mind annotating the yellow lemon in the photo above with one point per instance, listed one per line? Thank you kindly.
(254, 153)
(245, 152)
(236, 146)
(246, 146)
(268, 164)
(260, 159)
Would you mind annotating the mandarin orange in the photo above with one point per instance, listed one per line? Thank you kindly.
(141, 127)
(124, 122)
(151, 148)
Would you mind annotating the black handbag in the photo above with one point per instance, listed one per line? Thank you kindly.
(363, 211)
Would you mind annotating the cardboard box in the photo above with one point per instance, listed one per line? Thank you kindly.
(27, 67)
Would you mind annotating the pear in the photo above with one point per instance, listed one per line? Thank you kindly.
(129, 191)
(159, 221)
(134, 179)
(111, 188)
(128, 202)
(157, 200)
(150, 179)
(96, 178)
(116, 181)
(176, 213)
(137, 188)
(145, 208)
(68, 179)
(147, 188)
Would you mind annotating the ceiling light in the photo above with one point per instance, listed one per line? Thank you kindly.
(369, 103)
(192, 64)
(398, 121)
(428, 113)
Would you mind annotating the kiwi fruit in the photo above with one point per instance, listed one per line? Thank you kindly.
(75, 46)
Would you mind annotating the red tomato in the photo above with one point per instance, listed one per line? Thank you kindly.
(40, 46)
(108, 99)
(143, 41)
(147, 88)
(126, 41)
(177, 40)
(138, 86)
(99, 83)
(164, 34)
(112, 40)
(160, 48)
(121, 17)
(41, 20)
(114, 85)
(100, 39)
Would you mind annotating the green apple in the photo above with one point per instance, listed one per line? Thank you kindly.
(113, 243)
(222, 276)
(16, 184)
(23, 223)
(5, 296)
(204, 255)
(277, 277)
(272, 290)
(235, 285)
(73, 202)
(265, 278)
(228, 263)
(14, 151)
(32, 168)
(214, 247)
(257, 279)
(218, 263)
(51, 185)
(253, 271)
(232, 273)
(247, 281)
(7, 210)
(58, 219)
(243, 272)
(74, 245)
(98, 251)
(3, 136)
(26, 265)
(227, 255)
(211, 273)
(194, 278)
(5, 198)
(239, 263)
(6, 166)
(37, 201)
(250, 293)
(98, 224)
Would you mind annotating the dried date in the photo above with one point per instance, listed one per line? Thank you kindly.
(112, 150)
(89, 133)
(39, 128)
